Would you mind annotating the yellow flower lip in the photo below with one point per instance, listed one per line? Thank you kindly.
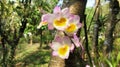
(61, 22)
(72, 28)
(63, 50)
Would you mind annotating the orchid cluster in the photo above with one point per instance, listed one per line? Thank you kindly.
(66, 25)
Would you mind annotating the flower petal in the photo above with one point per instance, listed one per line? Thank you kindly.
(57, 9)
(66, 40)
(72, 47)
(79, 25)
(50, 26)
(55, 45)
(76, 41)
(74, 19)
(63, 51)
(46, 17)
(62, 45)
(87, 66)
(59, 37)
(66, 13)
(54, 53)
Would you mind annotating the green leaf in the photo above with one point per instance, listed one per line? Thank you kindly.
(109, 63)
(118, 57)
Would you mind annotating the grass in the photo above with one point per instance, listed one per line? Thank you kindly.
(32, 56)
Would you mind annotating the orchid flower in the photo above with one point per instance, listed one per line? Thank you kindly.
(62, 18)
(44, 20)
(62, 46)
(58, 19)
(74, 25)
(66, 24)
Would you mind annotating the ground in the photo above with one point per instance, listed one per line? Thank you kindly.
(32, 55)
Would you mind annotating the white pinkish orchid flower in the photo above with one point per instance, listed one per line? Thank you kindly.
(62, 18)
(45, 19)
(74, 25)
(61, 47)
(59, 19)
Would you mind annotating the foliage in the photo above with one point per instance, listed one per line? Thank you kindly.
(17, 17)
(12, 13)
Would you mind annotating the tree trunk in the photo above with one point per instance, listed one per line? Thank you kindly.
(56, 62)
(4, 62)
(77, 7)
(12, 55)
(114, 6)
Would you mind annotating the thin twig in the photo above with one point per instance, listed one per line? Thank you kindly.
(92, 18)
(86, 43)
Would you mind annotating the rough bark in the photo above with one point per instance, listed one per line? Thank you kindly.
(114, 10)
(56, 62)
